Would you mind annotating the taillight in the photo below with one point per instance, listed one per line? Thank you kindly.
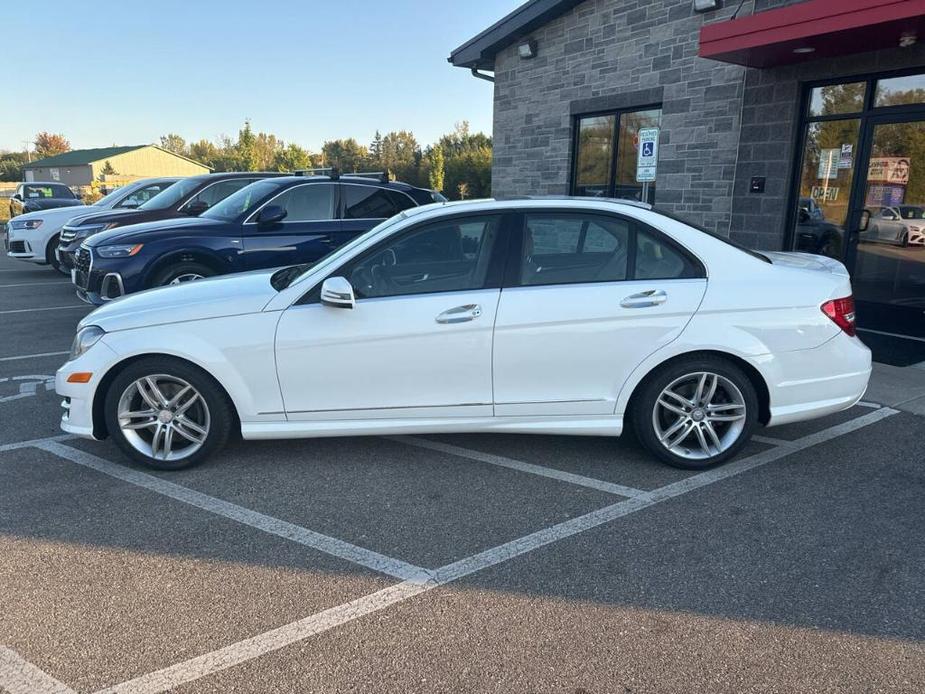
(841, 311)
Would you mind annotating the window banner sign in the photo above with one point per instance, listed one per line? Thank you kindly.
(893, 170)
(828, 164)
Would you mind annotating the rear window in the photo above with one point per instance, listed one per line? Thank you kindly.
(718, 237)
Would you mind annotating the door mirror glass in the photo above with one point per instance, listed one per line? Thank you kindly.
(271, 214)
(804, 216)
(196, 208)
(17, 196)
(864, 222)
(337, 292)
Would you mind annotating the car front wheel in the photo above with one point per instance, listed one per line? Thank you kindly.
(696, 413)
(182, 273)
(166, 413)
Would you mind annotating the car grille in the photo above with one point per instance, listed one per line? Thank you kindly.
(17, 246)
(82, 259)
(68, 234)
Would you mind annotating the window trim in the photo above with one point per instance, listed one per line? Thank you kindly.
(334, 197)
(512, 279)
(576, 126)
(494, 277)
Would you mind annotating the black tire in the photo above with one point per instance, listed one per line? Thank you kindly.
(168, 274)
(904, 240)
(645, 399)
(50, 256)
(221, 411)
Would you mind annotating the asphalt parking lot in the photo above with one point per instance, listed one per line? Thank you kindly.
(449, 563)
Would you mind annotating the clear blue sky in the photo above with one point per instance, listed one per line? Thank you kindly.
(106, 72)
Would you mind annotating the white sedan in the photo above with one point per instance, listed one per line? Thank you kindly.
(547, 316)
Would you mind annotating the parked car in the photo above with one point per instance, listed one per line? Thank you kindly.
(274, 222)
(572, 316)
(901, 225)
(34, 236)
(30, 197)
(188, 198)
(816, 235)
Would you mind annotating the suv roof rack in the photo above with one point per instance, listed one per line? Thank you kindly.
(334, 173)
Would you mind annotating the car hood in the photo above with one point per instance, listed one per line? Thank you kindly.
(229, 295)
(58, 214)
(50, 203)
(131, 233)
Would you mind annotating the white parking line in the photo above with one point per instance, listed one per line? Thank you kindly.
(34, 356)
(275, 639)
(770, 441)
(519, 465)
(31, 284)
(19, 676)
(274, 526)
(34, 443)
(47, 308)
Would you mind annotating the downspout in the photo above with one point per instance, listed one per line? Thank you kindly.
(482, 76)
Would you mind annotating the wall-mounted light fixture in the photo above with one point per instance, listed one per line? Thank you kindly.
(527, 49)
(804, 49)
(706, 5)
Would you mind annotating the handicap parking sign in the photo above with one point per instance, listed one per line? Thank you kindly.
(647, 158)
(648, 149)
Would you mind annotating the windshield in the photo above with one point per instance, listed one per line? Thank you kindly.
(713, 234)
(343, 250)
(47, 190)
(240, 201)
(172, 195)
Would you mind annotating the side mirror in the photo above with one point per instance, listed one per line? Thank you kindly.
(864, 221)
(338, 293)
(196, 208)
(17, 196)
(271, 214)
(804, 216)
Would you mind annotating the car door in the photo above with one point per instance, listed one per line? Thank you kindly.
(586, 298)
(418, 341)
(307, 232)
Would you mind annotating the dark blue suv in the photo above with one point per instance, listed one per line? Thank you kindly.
(270, 223)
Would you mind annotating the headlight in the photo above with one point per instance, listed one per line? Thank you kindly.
(90, 229)
(84, 340)
(120, 251)
(26, 223)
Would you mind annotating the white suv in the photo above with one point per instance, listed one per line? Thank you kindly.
(34, 236)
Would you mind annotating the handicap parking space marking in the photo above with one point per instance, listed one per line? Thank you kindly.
(519, 465)
(28, 386)
(254, 519)
(19, 676)
(275, 639)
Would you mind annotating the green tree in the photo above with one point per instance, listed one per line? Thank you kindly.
(375, 150)
(174, 143)
(467, 160)
(108, 169)
(347, 155)
(401, 155)
(49, 144)
(246, 148)
(435, 168)
(204, 152)
(292, 158)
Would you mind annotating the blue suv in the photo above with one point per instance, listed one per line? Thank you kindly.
(270, 223)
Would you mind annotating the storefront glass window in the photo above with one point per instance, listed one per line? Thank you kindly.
(606, 154)
(835, 99)
(900, 90)
(595, 153)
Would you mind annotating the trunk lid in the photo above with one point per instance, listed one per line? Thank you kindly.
(806, 261)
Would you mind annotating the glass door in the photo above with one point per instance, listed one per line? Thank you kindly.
(888, 257)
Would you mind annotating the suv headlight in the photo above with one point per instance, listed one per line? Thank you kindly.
(123, 250)
(84, 340)
(90, 229)
(25, 223)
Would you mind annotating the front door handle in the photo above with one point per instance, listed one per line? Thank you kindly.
(460, 314)
(651, 297)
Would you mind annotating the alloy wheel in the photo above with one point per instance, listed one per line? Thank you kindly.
(163, 417)
(699, 415)
(186, 277)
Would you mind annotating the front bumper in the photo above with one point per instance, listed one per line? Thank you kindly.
(96, 279)
(21, 248)
(77, 398)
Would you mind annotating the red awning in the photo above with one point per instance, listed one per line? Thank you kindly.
(829, 27)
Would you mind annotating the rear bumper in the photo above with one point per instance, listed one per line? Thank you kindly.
(816, 382)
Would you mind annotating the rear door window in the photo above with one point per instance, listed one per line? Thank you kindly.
(373, 202)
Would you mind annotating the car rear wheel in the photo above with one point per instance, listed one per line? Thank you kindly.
(181, 273)
(167, 414)
(696, 413)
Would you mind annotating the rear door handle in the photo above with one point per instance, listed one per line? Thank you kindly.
(460, 314)
(651, 297)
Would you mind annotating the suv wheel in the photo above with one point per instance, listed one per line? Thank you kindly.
(696, 413)
(182, 272)
(167, 414)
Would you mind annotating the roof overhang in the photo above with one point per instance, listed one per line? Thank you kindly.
(829, 27)
(479, 52)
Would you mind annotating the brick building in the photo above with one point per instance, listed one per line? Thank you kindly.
(780, 122)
